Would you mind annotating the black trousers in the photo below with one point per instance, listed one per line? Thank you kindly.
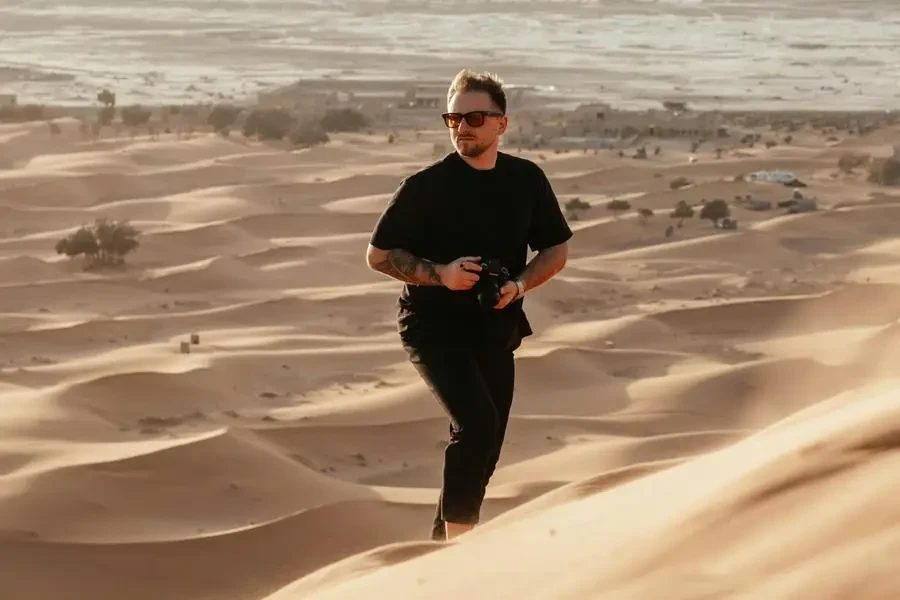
(475, 388)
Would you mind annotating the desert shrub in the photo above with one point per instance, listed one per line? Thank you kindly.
(885, 171)
(617, 206)
(106, 97)
(103, 243)
(308, 133)
(106, 114)
(21, 113)
(644, 214)
(577, 204)
(189, 111)
(682, 211)
(679, 182)
(222, 117)
(715, 211)
(269, 123)
(82, 241)
(852, 160)
(136, 115)
(674, 105)
(344, 119)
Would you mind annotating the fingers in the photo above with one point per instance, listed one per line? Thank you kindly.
(463, 285)
(462, 280)
(506, 296)
(464, 272)
(470, 263)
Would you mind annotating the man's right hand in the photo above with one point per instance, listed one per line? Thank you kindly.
(459, 275)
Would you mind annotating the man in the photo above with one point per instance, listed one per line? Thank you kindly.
(475, 204)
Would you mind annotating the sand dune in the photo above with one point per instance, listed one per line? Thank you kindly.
(706, 414)
(768, 516)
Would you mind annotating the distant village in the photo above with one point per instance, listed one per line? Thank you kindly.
(593, 125)
(599, 125)
(534, 122)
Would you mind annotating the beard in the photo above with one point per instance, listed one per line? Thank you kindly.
(471, 148)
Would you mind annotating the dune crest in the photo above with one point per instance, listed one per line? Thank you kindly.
(763, 517)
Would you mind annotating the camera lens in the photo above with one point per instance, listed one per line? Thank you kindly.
(489, 293)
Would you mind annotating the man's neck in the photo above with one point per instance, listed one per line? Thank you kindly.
(486, 161)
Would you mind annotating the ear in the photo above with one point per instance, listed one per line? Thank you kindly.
(502, 124)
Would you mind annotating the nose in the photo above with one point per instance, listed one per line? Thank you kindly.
(464, 129)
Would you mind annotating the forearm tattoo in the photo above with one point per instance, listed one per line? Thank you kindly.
(408, 268)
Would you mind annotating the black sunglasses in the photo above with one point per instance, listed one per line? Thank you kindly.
(474, 118)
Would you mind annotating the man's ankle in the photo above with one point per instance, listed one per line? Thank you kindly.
(456, 529)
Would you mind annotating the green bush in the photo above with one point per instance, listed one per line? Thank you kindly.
(715, 211)
(885, 171)
(617, 206)
(103, 243)
(344, 119)
(222, 117)
(133, 116)
(21, 113)
(682, 211)
(308, 133)
(106, 114)
(269, 123)
(679, 182)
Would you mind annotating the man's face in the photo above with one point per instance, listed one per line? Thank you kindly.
(473, 141)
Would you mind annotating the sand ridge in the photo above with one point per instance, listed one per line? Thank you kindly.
(690, 414)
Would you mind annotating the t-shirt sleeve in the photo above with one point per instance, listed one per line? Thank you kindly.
(400, 222)
(548, 224)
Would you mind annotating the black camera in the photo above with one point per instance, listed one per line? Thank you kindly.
(491, 278)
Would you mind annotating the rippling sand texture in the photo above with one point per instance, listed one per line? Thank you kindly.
(710, 414)
(713, 414)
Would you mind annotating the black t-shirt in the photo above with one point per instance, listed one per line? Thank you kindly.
(450, 209)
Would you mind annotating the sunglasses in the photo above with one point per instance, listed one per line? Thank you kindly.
(474, 118)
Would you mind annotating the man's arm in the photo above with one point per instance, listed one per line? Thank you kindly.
(549, 235)
(404, 266)
(398, 226)
(545, 264)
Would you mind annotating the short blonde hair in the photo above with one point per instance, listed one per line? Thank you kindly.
(468, 80)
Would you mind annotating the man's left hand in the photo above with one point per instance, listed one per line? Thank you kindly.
(508, 293)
